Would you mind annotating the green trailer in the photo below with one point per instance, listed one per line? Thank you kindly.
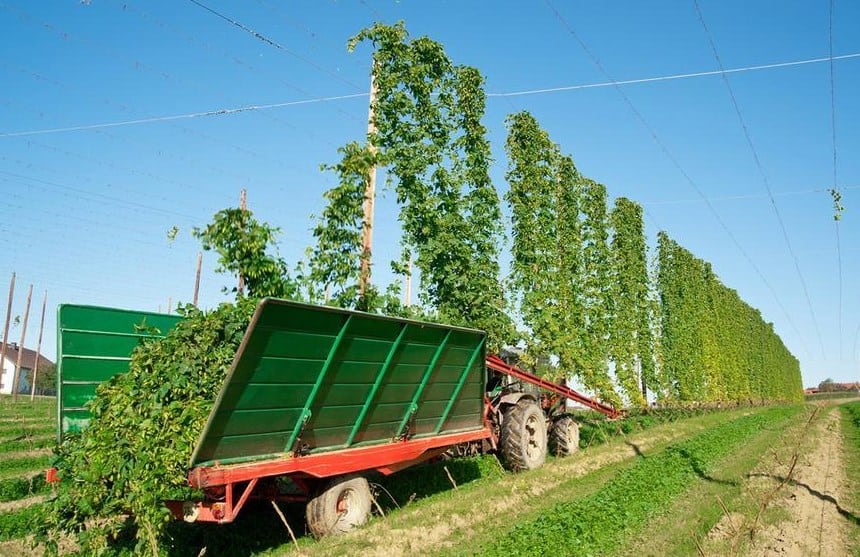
(317, 395)
(317, 398)
(94, 344)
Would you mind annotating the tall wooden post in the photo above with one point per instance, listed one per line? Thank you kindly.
(38, 348)
(17, 375)
(369, 197)
(243, 204)
(197, 278)
(407, 291)
(6, 329)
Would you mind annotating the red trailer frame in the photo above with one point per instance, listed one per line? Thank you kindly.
(222, 483)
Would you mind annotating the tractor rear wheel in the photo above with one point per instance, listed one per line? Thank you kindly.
(564, 436)
(341, 506)
(523, 436)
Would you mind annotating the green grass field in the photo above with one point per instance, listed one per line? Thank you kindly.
(27, 433)
(664, 481)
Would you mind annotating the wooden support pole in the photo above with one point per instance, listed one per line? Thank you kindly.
(407, 291)
(17, 375)
(39, 348)
(6, 328)
(243, 204)
(197, 278)
(369, 197)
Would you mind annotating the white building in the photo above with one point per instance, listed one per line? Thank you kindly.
(7, 368)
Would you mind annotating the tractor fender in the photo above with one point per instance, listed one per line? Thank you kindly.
(511, 399)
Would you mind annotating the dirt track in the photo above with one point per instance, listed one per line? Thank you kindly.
(818, 523)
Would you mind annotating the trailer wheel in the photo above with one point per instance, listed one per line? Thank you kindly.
(342, 505)
(564, 436)
(523, 436)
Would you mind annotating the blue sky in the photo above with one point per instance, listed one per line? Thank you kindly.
(85, 213)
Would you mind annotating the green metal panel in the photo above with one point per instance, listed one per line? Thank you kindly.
(309, 379)
(93, 345)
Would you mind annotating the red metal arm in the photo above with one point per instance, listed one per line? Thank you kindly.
(494, 363)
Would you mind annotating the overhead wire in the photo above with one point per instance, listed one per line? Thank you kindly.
(295, 24)
(835, 191)
(137, 65)
(200, 43)
(665, 149)
(763, 175)
(67, 90)
(332, 98)
(371, 9)
(184, 116)
(274, 43)
(107, 198)
(673, 77)
(58, 217)
(746, 197)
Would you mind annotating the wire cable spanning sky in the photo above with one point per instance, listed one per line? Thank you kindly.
(236, 110)
(122, 120)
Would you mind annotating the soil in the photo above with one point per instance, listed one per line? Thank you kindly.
(26, 454)
(818, 524)
(10, 506)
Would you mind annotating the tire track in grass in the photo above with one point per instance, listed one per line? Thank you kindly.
(18, 432)
(15, 467)
(597, 524)
(818, 520)
(28, 442)
(715, 518)
(454, 519)
(17, 504)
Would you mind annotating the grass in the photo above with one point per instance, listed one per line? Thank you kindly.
(24, 426)
(599, 523)
(413, 500)
(41, 407)
(28, 443)
(481, 505)
(850, 422)
(10, 467)
(20, 523)
(682, 529)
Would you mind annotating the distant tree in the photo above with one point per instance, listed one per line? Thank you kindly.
(46, 380)
(828, 386)
(246, 249)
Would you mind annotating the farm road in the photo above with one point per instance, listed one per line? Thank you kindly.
(818, 523)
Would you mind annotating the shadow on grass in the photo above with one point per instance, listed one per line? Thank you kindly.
(429, 479)
(256, 529)
(853, 518)
(700, 471)
(635, 448)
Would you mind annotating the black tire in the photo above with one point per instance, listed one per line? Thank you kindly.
(523, 436)
(564, 436)
(341, 506)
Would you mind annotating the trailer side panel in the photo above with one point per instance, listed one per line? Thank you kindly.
(94, 344)
(310, 379)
